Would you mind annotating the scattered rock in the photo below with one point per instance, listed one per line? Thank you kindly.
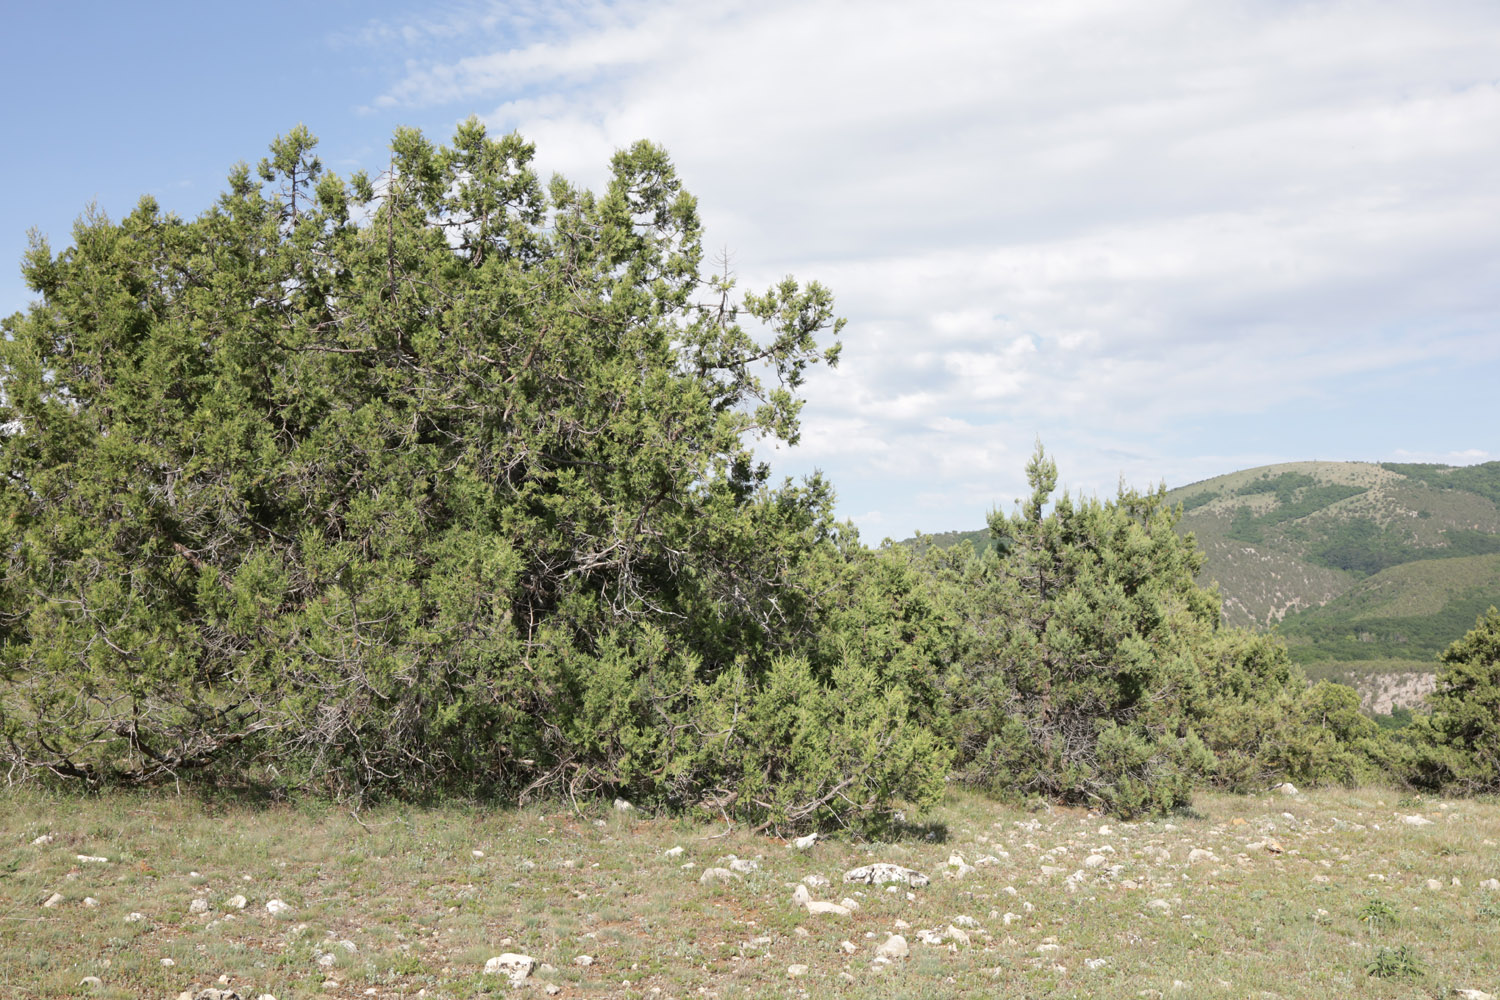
(744, 865)
(849, 947)
(958, 935)
(815, 881)
(553, 989)
(167, 963)
(895, 947)
(236, 902)
(134, 918)
(584, 960)
(53, 900)
(796, 971)
(849, 904)
(883, 872)
(476, 853)
(966, 921)
(673, 852)
(214, 993)
(1095, 861)
(42, 841)
(1434, 884)
(804, 843)
(276, 908)
(1200, 854)
(515, 968)
(1286, 788)
(90, 902)
(91, 859)
(1473, 995)
(1493, 884)
(1416, 820)
(199, 905)
(718, 875)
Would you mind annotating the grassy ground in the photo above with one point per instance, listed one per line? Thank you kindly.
(1300, 896)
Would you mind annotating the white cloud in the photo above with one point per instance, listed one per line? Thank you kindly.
(1156, 233)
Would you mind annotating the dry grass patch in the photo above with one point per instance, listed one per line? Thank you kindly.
(1307, 896)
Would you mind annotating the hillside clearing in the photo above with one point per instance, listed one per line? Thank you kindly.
(1272, 895)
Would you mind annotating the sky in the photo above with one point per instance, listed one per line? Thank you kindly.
(1167, 239)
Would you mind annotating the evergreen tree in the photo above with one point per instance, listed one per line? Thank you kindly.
(446, 486)
(1458, 746)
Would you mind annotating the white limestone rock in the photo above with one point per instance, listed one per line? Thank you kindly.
(515, 968)
(882, 872)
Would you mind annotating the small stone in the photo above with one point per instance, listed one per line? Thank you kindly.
(92, 859)
(584, 960)
(53, 900)
(236, 902)
(553, 989)
(1492, 884)
(1199, 854)
(817, 906)
(744, 865)
(1286, 788)
(673, 852)
(1416, 820)
(1095, 861)
(276, 908)
(718, 875)
(1095, 963)
(796, 971)
(815, 881)
(1011, 918)
(958, 935)
(90, 902)
(1433, 884)
(849, 947)
(895, 947)
(966, 921)
(476, 853)
(849, 904)
(134, 918)
(516, 968)
(199, 905)
(167, 963)
(1473, 995)
(42, 841)
(349, 946)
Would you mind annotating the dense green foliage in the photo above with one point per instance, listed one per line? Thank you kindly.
(445, 482)
(1094, 669)
(448, 487)
(1458, 746)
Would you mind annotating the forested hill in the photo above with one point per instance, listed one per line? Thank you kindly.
(1356, 562)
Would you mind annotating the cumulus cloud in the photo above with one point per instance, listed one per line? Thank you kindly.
(1172, 239)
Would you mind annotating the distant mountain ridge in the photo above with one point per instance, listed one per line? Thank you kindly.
(1362, 567)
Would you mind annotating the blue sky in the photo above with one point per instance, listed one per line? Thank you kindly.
(1171, 239)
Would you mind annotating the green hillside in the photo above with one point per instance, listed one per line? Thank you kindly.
(1362, 567)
